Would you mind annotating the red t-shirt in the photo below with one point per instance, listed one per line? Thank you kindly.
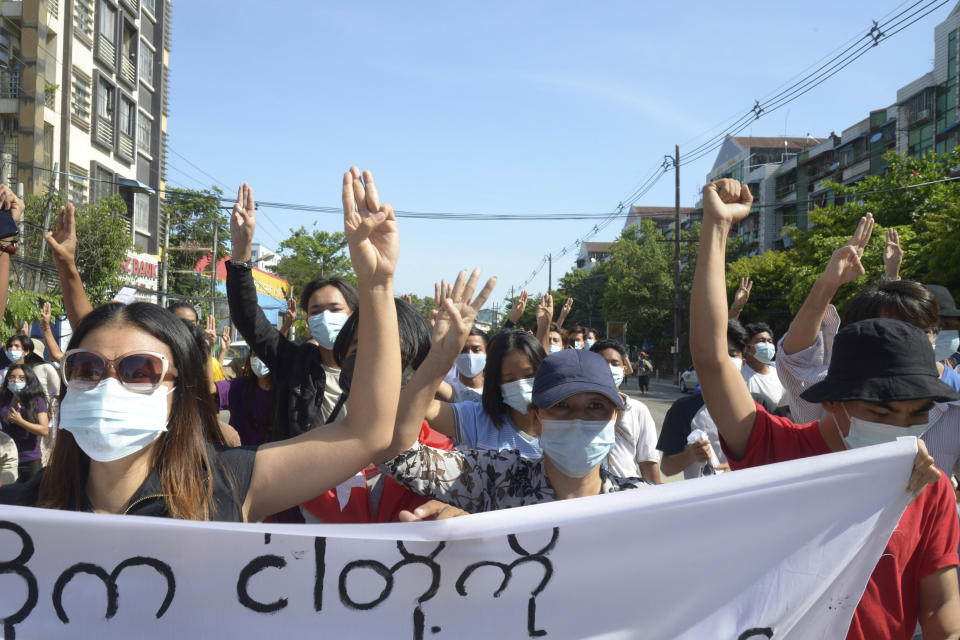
(394, 497)
(924, 541)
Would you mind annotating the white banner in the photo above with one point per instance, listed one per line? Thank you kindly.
(780, 551)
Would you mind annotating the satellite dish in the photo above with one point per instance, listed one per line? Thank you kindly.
(876, 137)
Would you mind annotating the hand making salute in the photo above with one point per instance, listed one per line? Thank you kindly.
(915, 578)
(139, 435)
(574, 399)
(306, 375)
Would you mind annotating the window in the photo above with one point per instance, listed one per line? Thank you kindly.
(83, 19)
(141, 213)
(151, 6)
(78, 180)
(128, 117)
(108, 22)
(80, 104)
(105, 98)
(144, 130)
(146, 63)
(101, 183)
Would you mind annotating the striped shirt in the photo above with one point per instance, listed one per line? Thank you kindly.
(809, 366)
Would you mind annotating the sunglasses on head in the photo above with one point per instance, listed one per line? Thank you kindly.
(138, 371)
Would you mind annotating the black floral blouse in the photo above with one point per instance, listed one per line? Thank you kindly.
(480, 480)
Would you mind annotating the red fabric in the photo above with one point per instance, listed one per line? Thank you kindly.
(924, 541)
(394, 497)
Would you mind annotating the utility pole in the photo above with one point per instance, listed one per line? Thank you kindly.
(550, 273)
(676, 271)
(46, 225)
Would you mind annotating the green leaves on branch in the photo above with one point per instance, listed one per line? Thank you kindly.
(307, 255)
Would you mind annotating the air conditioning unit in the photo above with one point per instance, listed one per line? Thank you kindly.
(922, 114)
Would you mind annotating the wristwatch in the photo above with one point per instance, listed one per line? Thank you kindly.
(249, 264)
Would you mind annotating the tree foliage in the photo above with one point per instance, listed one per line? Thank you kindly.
(307, 255)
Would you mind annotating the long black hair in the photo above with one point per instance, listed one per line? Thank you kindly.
(502, 344)
(180, 453)
(29, 397)
(414, 335)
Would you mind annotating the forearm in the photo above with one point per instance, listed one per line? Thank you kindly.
(806, 325)
(672, 464)
(543, 336)
(372, 414)
(271, 347)
(53, 349)
(445, 392)
(4, 280)
(563, 317)
(75, 302)
(417, 402)
(708, 302)
(38, 428)
(650, 470)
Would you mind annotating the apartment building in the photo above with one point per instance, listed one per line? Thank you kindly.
(83, 88)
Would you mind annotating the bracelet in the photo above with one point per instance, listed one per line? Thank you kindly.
(249, 264)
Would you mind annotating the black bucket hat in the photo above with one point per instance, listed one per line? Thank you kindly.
(881, 360)
(948, 308)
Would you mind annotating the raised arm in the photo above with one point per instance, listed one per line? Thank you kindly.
(289, 316)
(245, 312)
(53, 349)
(63, 248)
(844, 267)
(564, 312)
(8, 202)
(724, 203)
(290, 472)
(892, 255)
(544, 318)
(740, 298)
(450, 332)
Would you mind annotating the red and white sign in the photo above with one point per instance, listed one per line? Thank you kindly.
(142, 270)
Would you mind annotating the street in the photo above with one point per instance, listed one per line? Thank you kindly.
(658, 399)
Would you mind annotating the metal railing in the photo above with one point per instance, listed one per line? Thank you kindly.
(9, 84)
(104, 131)
(128, 70)
(53, 8)
(125, 145)
(106, 50)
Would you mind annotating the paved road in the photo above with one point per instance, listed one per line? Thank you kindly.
(658, 399)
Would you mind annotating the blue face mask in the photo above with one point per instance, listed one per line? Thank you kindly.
(948, 341)
(765, 352)
(326, 326)
(575, 447)
(617, 375)
(14, 355)
(589, 343)
(16, 387)
(518, 394)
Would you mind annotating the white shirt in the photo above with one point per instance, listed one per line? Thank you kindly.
(703, 421)
(636, 440)
(463, 393)
(331, 394)
(9, 459)
(766, 384)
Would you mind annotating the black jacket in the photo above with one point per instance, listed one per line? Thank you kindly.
(297, 369)
(232, 471)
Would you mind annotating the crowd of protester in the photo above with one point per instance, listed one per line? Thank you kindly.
(382, 414)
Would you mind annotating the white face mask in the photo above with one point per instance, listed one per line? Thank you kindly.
(737, 362)
(518, 394)
(589, 343)
(470, 365)
(864, 433)
(578, 344)
(764, 352)
(617, 375)
(555, 348)
(110, 422)
(948, 341)
(325, 327)
(260, 369)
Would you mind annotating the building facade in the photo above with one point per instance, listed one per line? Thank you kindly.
(83, 89)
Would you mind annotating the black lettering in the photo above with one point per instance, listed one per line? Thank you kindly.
(320, 563)
(254, 567)
(110, 582)
(388, 573)
(539, 557)
(766, 632)
(18, 566)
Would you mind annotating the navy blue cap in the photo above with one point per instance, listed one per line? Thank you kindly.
(573, 371)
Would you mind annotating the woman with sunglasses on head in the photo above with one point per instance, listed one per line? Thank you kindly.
(140, 437)
(23, 417)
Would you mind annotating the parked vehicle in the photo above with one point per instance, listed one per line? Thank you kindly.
(688, 380)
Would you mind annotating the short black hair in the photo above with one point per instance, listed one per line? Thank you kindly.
(757, 327)
(183, 305)
(603, 345)
(475, 331)
(898, 299)
(346, 289)
(737, 335)
(502, 344)
(414, 333)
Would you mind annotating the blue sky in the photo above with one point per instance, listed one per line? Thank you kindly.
(500, 107)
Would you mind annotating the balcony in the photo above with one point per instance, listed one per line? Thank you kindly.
(106, 51)
(103, 133)
(12, 9)
(53, 9)
(9, 92)
(125, 145)
(128, 71)
(133, 5)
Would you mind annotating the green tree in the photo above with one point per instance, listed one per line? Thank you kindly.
(773, 274)
(24, 306)
(308, 255)
(587, 288)
(102, 242)
(193, 215)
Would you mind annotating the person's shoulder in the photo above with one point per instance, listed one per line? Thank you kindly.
(233, 457)
(611, 483)
(22, 494)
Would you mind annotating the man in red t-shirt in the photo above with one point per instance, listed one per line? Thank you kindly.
(881, 384)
